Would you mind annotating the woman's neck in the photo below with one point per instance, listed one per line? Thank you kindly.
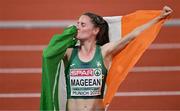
(87, 47)
(87, 50)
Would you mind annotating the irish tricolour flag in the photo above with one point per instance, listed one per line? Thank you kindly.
(53, 93)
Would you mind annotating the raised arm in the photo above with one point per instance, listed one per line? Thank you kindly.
(113, 48)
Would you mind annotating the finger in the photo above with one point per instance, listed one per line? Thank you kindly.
(168, 8)
(167, 14)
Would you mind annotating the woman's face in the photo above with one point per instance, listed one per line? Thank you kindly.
(86, 29)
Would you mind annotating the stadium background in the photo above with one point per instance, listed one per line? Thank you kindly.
(153, 84)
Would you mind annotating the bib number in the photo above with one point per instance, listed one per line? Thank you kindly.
(86, 82)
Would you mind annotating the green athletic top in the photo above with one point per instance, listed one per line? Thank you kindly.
(85, 79)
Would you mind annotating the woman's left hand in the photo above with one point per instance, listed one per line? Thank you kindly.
(167, 11)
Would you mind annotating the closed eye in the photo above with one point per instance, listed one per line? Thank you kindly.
(81, 23)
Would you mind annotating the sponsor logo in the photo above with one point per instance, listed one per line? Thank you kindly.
(97, 72)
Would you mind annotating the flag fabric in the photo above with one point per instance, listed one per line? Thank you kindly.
(52, 56)
(123, 62)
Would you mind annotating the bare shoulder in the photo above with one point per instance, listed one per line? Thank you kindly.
(68, 53)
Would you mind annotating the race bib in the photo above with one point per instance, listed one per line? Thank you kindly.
(86, 82)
